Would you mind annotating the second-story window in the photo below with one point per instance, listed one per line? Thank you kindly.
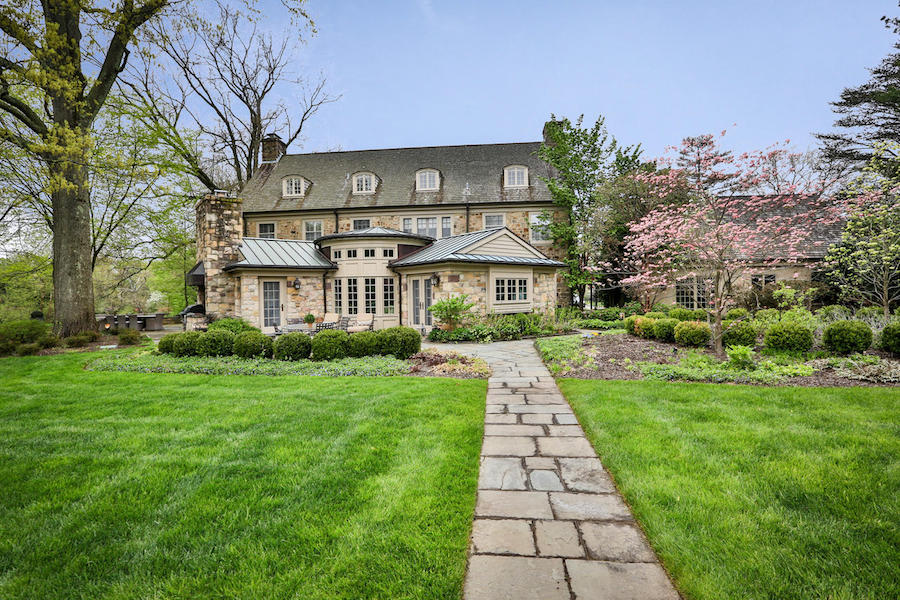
(363, 183)
(293, 186)
(312, 230)
(495, 220)
(446, 227)
(407, 225)
(266, 230)
(515, 177)
(427, 226)
(427, 180)
(361, 224)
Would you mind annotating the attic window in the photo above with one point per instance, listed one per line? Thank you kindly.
(515, 176)
(427, 180)
(293, 186)
(363, 183)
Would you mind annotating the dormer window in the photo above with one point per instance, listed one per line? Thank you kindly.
(515, 176)
(364, 183)
(294, 186)
(428, 180)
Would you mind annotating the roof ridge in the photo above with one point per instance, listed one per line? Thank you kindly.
(411, 148)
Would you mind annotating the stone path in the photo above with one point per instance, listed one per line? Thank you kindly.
(549, 523)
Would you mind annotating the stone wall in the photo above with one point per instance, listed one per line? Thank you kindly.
(544, 292)
(219, 226)
(297, 302)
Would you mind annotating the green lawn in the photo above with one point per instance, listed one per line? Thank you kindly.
(125, 485)
(753, 492)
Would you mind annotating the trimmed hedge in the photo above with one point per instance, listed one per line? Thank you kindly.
(252, 344)
(128, 337)
(890, 338)
(847, 337)
(362, 343)
(292, 346)
(329, 344)
(402, 342)
(167, 343)
(788, 335)
(643, 327)
(187, 343)
(231, 324)
(629, 323)
(664, 329)
(607, 314)
(682, 314)
(655, 315)
(738, 333)
(737, 313)
(216, 343)
(692, 333)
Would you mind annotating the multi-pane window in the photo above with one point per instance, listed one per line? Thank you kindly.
(370, 295)
(363, 183)
(294, 186)
(537, 227)
(690, 293)
(495, 220)
(407, 225)
(387, 253)
(388, 289)
(416, 299)
(267, 230)
(337, 254)
(760, 281)
(510, 290)
(351, 253)
(352, 297)
(312, 230)
(515, 177)
(271, 303)
(338, 305)
(426, 293)
(427, 226)
(361, 224)
(369, 253)
(446, 227)
(427, 180)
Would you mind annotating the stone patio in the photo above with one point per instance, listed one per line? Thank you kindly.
(549, 523)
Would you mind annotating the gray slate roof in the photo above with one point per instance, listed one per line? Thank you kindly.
(273, 254)
(374, 232)
(451, 249)
(476, 168)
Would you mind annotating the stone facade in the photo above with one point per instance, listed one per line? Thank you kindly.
(219, 224)
(297, 302)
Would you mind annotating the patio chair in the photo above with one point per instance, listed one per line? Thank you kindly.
(343, 323)
(331, 318)
(363, 323)
(324, 325)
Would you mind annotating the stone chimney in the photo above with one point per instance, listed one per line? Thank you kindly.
(546, 131)
(272, 148)
(219, 221)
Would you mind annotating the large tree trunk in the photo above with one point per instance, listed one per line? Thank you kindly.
(73, 292)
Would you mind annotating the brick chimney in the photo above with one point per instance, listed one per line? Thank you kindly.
(272, 148)
(219, 222)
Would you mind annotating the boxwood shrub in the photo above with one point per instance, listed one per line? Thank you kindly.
(788, 335)
(700, 314)
(187, 343)
(25, 331)
(664, 329)
(692, 333)
(362, 343)
(252, 344)
(655, 315)
(218, 342)
(847, 337)
(890, 338)
(737, 313)
(629, 323)
(329, 344)
(127, 337)
(231, 324)
(738, 333)
(402, 342)
(643, 327)
(292, 346)
(682, 314)
(167, 343)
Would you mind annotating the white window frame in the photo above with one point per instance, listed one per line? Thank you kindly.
(367, 181)
(449, 232)
(404, 222)
(534, 218)
(368, 252)
(425, 174)
(286, 185)
(517, 281)
(419, 231)
(508, 179)
(485, 216)
(306, 232)
(353, 223)
(336, 254)
(387, 253)
(274, 230)
(352, 253)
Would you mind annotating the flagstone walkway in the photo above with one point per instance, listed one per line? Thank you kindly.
(549, 523)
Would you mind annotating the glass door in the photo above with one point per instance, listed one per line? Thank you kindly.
(272, 307)
(416, 304)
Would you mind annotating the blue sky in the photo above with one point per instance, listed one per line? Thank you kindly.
(431, 72)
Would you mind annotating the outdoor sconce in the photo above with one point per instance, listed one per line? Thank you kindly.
(296, 283)
(435, 280)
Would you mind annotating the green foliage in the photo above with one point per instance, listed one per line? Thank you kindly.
(655, 315)
(847, 337)
(700, 367)
(508, 327)
(451, 311)
(738, 333)
(890, 338)
(28, 349)
(330, 344)
(607, 314)
(27, 283)
(741, 357)
(252, 344)
(362, 343)
(167, 343)
(767, 316)
(682, 314)
(599, 324)
(25, 331)
(862, 367)
(737, 313)
(788, 335)
(664, 329)
(692, 333)
(700, 314)
(292, 346)
(91, 335)
(644, 327)
(309, 318)
(49, 340)
(834, 312)
(401, 342)
(629, 323)
(187, 343)
(167, 278)
(231, 324)
(868, 312)
(218, 342)
(129, 337)
(561, 353)
(75, 341)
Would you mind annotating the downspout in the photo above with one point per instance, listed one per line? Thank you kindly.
(336, 221)
(400, 295)
(324, 293)
(466, 194)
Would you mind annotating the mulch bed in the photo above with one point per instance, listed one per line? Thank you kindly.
(611, 351)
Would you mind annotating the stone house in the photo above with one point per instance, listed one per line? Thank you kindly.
(380, 232)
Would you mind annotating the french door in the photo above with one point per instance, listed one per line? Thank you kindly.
(271, 304)
(420, 300)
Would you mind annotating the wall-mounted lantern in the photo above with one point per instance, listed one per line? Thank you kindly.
(296, 283)
(435, 280)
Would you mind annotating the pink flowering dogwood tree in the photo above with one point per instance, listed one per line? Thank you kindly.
(743, 214)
